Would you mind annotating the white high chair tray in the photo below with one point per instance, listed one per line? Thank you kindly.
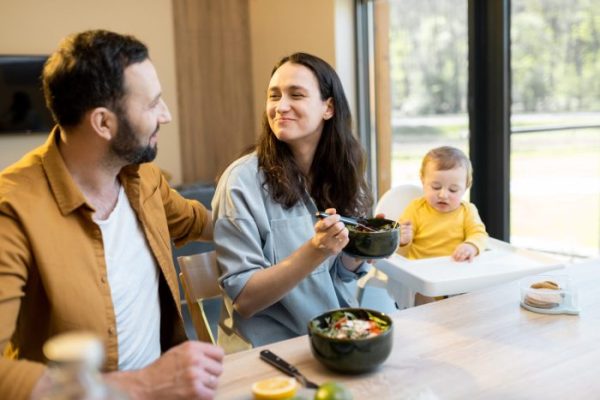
(441, 276)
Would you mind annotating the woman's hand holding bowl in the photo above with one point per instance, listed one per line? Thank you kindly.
(331, 235)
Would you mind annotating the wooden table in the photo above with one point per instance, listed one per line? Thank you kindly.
(480, 345)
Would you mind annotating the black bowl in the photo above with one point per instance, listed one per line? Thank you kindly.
(351, 355)
(380, 244)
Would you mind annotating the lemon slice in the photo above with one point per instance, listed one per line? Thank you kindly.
(274, 388)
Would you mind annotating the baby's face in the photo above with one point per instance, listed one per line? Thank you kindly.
(444, 190)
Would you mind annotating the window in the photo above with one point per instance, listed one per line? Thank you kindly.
(541, 181)
(555, 126)
(422, 87)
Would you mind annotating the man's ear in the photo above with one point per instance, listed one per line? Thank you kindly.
(330, 110)
(104, 122)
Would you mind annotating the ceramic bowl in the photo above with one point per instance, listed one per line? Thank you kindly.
(350, 355)
(373, 245)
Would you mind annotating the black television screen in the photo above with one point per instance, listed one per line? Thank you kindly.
(22, 106)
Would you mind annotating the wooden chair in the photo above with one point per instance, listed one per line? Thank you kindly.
(199, 278)
(200, 281)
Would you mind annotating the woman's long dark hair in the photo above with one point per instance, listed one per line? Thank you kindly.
(337, 173)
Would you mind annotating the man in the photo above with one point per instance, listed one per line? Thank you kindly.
(85, 228)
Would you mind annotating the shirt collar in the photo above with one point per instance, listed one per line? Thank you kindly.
(66, 192)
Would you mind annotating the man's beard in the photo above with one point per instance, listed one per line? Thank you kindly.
(125, 144)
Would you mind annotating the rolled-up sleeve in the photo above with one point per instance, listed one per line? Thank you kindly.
(345, 274)
(241, 251)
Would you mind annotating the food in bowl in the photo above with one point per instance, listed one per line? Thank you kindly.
(351, 340)
(545, 285)
(549, 294)
(379, 240)
(344, 324)
(546, 294)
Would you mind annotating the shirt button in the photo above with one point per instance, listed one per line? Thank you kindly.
(103, 279)
(111, 331)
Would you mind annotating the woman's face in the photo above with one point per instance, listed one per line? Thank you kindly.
(295, 110)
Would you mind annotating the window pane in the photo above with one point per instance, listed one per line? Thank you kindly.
(555, 148)
(428, 80)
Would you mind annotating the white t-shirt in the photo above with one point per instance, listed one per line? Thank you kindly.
(133, 280)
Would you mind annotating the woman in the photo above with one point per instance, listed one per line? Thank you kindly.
(280, 265)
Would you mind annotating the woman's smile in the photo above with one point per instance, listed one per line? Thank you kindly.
(284, 119)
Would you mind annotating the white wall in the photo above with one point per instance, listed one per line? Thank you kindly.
(345, 49)
(36, 27)
(321, 27)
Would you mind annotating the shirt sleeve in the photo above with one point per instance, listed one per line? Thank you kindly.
(17, 377)
(185, 217)
(475, 232)
(240, 251)
(345, 274)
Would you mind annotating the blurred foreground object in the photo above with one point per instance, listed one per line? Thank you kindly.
(74, 360)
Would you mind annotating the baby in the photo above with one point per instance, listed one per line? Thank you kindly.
(440, 223)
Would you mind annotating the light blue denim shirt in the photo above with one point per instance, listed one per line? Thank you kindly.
(253, 232)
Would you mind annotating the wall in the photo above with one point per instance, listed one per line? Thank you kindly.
(277, 27)
(214, 83)
(321, 27)
(36, 27)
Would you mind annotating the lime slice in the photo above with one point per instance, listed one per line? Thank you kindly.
(333, 391)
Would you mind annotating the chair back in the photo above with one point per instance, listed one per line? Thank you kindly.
(394, 201)
(391, 204)
(199, 278)
(200, 281)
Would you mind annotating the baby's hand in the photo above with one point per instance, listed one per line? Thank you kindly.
(406, 233)
(465, 252)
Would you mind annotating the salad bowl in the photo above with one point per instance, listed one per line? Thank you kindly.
(351, 340)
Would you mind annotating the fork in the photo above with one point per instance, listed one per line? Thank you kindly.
(347, 221)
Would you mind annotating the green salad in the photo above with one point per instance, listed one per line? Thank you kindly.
(346, 325)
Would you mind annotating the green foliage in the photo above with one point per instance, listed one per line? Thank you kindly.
(555, 61)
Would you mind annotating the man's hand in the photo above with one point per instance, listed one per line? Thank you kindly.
(187, 371)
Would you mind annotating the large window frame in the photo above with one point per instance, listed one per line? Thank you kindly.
(489, 108)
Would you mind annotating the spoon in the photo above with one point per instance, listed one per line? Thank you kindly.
(347, 221)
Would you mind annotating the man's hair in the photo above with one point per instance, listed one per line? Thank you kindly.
(338, 168)
(86, 71)
(445, 158)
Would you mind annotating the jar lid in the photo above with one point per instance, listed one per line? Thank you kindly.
(75, 347)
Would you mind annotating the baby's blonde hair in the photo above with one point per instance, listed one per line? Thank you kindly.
(445, 158)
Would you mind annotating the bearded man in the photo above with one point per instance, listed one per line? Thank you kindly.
(86, 223)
